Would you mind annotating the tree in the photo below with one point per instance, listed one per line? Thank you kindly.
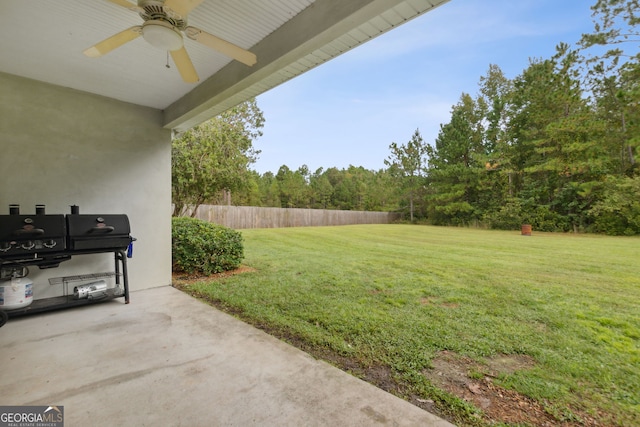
(617, 101)
(251, 194)
(456, 164)
(495, 92)
(321, 190)
(407, 163)
(383, 193)
(558, 143)
(293, 187)
(342, 195)
(494, 100)
(358, 183)
(615, 74)
(616, 22)
(269, 190)
(618, 212)
(214, 156)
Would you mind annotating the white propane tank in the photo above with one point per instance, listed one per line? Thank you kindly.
(16, 293)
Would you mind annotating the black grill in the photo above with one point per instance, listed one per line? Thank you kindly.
(45, 240)
(89, 232)
(26, 234)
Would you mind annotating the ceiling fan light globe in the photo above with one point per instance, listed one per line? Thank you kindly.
(162, 36)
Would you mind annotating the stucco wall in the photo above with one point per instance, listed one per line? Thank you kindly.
(61, 147)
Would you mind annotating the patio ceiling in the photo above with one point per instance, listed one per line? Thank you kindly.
(44, 40)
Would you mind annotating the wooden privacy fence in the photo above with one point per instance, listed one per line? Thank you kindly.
(238, 217)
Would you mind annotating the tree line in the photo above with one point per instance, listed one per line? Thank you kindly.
(555, 147)
(353, 188)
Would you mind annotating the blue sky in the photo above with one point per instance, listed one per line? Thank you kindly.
(350, 109)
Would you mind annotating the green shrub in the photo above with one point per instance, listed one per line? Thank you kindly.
(200, 247)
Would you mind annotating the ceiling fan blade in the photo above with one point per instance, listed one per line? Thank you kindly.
(181, 7)
(125, 3)
(222, 46)
(184, 65)
(117, 40)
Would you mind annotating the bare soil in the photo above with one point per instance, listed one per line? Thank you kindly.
(474, 383)
(458, 375)
(188, 279)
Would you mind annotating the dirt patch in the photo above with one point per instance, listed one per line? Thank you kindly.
(434, 301)
(450, 304)
(186, 279)
(427, 301)
(509, 364)
(474, 383)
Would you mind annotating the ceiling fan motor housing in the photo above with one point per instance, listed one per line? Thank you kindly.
(162, 35)
(156, 11)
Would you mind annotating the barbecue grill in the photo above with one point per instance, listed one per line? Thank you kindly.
(97, 232)
(26, 236)
(45, 241)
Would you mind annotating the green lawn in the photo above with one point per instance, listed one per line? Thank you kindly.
(399, 298)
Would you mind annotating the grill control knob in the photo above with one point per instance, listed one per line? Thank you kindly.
(28, 245)
(5, 246)
(49, 243)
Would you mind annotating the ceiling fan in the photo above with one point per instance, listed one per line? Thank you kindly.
(164, 23)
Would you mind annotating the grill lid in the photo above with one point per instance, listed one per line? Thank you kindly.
(86, 232)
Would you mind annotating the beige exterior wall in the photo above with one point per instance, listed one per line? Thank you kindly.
(61, 147)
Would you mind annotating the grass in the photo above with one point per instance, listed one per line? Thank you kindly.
(396, 296)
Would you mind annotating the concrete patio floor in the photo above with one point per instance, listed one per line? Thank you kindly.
(168, 359)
